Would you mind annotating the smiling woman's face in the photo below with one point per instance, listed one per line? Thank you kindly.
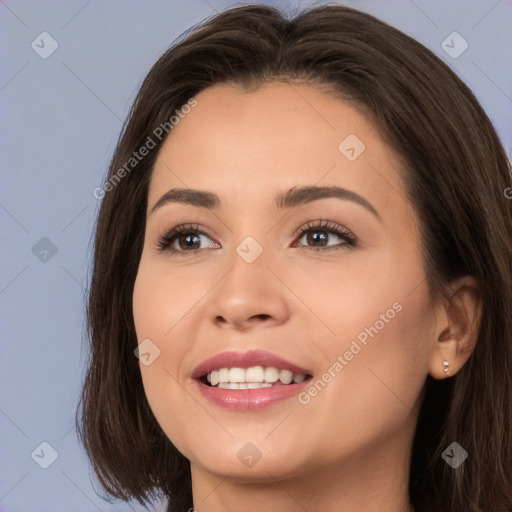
(351, 310)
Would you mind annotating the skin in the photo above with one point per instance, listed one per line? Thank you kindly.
(349, 447)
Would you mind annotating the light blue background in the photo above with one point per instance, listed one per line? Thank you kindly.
(60, 120)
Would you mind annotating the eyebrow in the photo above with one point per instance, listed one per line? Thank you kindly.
(291, 198)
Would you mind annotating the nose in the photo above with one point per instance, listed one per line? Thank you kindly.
(248, 296)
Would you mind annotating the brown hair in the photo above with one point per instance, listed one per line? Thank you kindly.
(455, 171)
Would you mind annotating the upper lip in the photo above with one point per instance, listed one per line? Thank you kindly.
(233, 359)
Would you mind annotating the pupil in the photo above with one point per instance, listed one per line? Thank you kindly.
(190, 238)
(313, 237)
(322, 238)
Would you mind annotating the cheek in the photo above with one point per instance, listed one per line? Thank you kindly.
(164, 300)
(383, 370)
(163, 310)
(375, 360)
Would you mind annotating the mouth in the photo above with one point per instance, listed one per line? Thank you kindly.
(254, 377)
(250, 380)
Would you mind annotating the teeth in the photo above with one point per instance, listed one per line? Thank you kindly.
(255, 374)
(237, 375)
(285, 376)
(224, 375)
(271, 374)
(243, 385)
(256, 385)
(252, 378)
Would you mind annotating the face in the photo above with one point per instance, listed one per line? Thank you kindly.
(328, 288)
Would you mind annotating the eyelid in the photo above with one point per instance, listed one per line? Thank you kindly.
(319, 224)
(169, 237)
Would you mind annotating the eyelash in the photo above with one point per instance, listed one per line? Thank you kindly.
(349, 238)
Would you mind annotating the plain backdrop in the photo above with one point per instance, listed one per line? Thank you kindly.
(61, 115)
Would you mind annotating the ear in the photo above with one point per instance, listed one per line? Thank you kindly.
(457, 327)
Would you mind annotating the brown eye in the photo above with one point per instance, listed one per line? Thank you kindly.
(317, 236)
(189, 241)
(183, 240)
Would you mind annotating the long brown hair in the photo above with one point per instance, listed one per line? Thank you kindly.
(455, 171)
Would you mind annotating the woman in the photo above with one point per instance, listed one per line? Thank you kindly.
(302, 286)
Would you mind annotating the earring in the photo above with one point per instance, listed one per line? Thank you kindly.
(446, 365)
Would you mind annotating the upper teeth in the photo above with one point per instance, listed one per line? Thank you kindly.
(251, 378)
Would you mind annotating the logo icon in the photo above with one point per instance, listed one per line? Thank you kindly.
(249, 455)
(454, 455)
(351, 147)
(44, 250)
(44, 45)
(249, 249)
(45, 455)
(454, 45)
(147, 352)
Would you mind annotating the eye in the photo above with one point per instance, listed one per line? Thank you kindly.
(187, 237)
(317, 233)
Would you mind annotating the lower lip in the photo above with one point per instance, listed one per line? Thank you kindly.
(250, 399)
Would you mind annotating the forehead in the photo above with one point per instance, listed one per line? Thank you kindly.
(250, 144)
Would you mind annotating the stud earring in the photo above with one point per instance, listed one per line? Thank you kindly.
(446, 365)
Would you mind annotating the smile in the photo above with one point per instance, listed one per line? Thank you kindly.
(250, 380)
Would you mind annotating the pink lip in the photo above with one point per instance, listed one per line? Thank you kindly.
(244, 360)
(250, 399)
(247, 399)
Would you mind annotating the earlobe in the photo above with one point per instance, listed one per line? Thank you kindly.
(444, 359)
(457, 325)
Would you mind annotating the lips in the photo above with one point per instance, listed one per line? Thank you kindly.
(239, 380)
(245, 360)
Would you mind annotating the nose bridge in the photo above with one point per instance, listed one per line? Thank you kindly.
(249, 289)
